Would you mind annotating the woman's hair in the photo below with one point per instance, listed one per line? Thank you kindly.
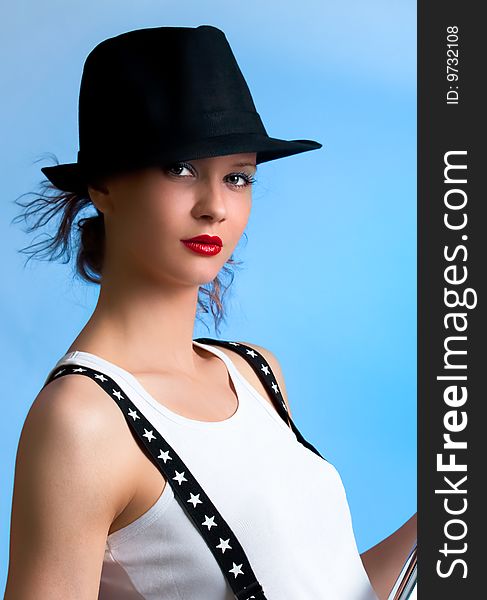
(87, 236)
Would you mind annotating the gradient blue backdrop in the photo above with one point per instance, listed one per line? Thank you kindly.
(329, 276)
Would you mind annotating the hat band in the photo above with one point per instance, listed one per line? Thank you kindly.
(221, 122)
(122, 148)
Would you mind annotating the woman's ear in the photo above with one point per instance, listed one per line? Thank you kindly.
(98, 192)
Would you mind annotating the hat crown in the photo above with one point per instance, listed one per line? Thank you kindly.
(150, 86)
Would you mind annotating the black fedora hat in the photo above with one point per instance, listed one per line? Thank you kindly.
(164, 94)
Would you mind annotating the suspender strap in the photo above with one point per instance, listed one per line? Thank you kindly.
(216, 532)
(264, 372)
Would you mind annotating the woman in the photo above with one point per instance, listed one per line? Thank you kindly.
(169, 146)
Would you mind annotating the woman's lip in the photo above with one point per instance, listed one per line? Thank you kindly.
(206, 239)
(202, 248)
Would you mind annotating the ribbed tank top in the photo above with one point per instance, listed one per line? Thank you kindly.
(286, 505)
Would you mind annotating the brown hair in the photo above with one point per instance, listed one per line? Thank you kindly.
(89, 242)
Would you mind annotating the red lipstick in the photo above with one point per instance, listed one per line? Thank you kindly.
(207, 245)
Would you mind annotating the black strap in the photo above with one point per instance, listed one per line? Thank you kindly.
(216, 532)
(264, 372)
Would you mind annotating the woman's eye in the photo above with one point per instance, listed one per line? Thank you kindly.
(243, 177)
(176, 169)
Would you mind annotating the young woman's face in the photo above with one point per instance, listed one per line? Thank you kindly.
(148, 213)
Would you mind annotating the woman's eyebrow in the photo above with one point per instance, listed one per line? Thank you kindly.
(245, 164)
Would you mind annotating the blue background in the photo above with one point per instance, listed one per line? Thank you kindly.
(328, 282)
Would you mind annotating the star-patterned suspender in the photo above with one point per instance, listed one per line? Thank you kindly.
(216, 532)
(221, 540)
(264, 372)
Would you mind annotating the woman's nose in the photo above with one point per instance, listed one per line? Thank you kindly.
(211, 198)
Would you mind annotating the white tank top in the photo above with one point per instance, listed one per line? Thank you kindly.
(285, 504)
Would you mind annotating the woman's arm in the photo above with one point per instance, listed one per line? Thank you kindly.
(68, 488)
(384, 561)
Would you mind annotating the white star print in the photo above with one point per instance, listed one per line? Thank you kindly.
(148, 435)
(165, 456)
(224, 545)
(194, 499)
(209, 523)
(236, 570)
(180, 477)
(133, 414)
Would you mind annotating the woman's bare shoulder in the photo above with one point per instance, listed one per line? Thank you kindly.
(71, 480)
(76, 401)
(73, 418)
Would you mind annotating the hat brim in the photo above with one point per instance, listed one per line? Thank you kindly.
(69, 177)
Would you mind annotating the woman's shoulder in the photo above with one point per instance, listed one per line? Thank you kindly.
(74, 405)
(273, 362)
(74, 431)
(70, 482)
